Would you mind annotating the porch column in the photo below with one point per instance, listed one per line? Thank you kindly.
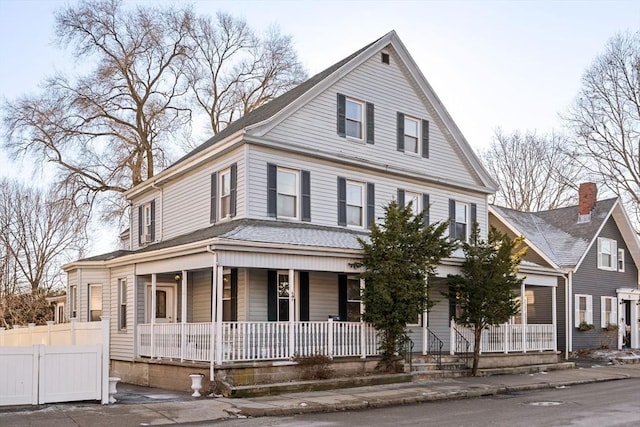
(212, 327)
(363, 326)
(218, 275)
(525, 321)
(634, 323)
(554, 318)
(292, 313)
(153, 313)
(183, 316)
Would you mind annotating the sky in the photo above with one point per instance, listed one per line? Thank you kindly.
(516, 65)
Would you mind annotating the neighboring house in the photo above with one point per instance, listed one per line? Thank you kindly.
(595, 247)
(57, 305)
(241, 250)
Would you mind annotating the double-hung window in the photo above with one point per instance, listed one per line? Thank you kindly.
(147, 219)
(287, 193)
(122, 304)
(95, 303)
(411, 132)
(583, 310)
(73, 302)
(462, 221)
(225, 194)
(414, 199)
(461, 217)
(355, 203)
(608, 311)
(354, 118)
(621, 260)
(226, 296)
(607, 254)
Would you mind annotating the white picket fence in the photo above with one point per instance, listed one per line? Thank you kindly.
(507, 338)
(55, 363)
(249, 341)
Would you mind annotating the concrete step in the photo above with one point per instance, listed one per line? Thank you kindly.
(432, 366)
(426, 375)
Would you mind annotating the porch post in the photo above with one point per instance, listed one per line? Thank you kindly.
(634, 323)
(525, 320)
(218, 279)
(292, 313)
(452, 337)
(212, 327)
(183, 316)
(554, 318)
(153, 313)
(363, 329)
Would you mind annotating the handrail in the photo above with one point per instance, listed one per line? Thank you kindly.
(462, 341)
(408, 355)
(434, 343)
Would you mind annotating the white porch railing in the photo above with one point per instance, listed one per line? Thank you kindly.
(508, 338)
(244, 341)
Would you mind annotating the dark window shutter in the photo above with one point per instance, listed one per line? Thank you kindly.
(234, 189)
(272, 296)
(371, 204)
(426, 208)
(474, 213)
(341, 115)
(400, 126)
(342, 201)
(342, 297)
(425, 138)
(452, 219)
(370, 124)
(213, 214)
(234, 294)
(400, 197)
(140, 223)
(306, 195)
(304, 296)
(272, 190)
(153, 220)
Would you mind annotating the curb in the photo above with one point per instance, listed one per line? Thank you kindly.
(420, 398)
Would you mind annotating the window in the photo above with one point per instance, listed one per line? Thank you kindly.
(225, 194)
(608, 311)
(353, 118)
(226, 296)
(161, 304)
(411, 128)
(122, 304)
(283, 297)
(95, 303)
(73, 302)
(354, 299)
(461, 221)
(607, 254)
(287, 193)
(583, 310)
(621, 260)
(147, 219)
(355, 203)
(414, 199)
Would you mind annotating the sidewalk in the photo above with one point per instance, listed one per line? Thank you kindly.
(145, 406)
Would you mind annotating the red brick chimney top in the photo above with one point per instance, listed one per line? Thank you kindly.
(587, 197)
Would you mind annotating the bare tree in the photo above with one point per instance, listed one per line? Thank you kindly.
(117, 121)
(38, 231)
(534, 172)
(235, 71)
(606, 119)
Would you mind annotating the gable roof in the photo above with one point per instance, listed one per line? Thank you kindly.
(286, 104)
(557, 236)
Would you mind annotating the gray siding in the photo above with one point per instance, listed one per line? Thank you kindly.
(91, 276)
(199, 296)
(257, 296)
(323, 295)
(122, 341)
(592, 281)
(390, 90)
(561, 316)
(438, 321)
(324, 187)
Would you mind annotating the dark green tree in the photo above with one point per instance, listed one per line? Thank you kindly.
(400, 255)
(485, 289)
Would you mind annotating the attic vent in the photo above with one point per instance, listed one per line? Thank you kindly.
(385, 58)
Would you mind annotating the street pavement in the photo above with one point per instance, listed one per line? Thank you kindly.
(146, 406)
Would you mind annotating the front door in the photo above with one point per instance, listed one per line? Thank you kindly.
(165, 304)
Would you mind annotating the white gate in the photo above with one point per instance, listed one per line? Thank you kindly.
(40, 373)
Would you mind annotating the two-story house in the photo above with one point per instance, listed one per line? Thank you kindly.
(595, 248)
(241, 250)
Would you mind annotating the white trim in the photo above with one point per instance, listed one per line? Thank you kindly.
(588, 315)
(613, 313)
(221, 175)
(621, 260)
(612, 247)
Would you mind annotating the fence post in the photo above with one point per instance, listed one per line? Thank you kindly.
(2, 329)
(49, 325)
(31, 328)
(73, 331)
(105, 360)
(506, 338)
(330, 338)
(363, 340)
(38, 394)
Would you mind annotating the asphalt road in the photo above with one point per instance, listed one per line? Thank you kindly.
(613, 403)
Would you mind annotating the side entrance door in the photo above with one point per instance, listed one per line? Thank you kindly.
(165, 304)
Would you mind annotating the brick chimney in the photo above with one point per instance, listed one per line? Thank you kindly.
(587, 197)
